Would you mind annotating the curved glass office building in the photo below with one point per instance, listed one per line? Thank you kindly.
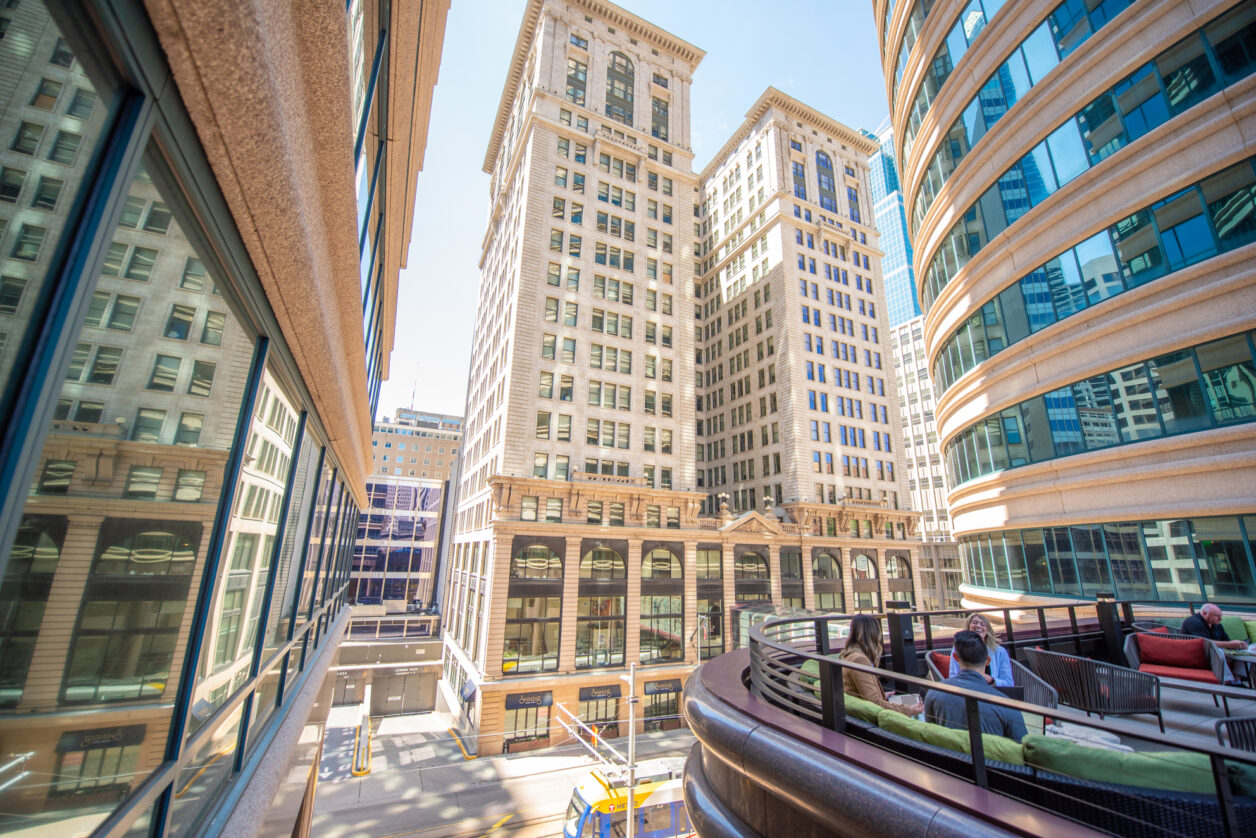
(1080, 189)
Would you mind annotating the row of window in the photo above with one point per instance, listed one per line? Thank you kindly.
(655, 477)
(969, 23)
(1213, 216)
(1177, 79)
(1180, 560)
(1063, 31)
(1184, 391)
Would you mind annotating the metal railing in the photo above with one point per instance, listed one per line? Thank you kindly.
(779, 649)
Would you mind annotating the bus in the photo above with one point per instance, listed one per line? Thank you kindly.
(599, 804)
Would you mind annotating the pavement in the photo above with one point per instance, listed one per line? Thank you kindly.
(421, 785)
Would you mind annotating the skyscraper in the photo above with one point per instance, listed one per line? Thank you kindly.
(901, 301)
(588, 532)
(1081, 205)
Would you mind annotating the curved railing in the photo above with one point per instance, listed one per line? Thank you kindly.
(779, 649)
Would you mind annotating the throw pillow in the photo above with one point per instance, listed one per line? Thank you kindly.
(1172, 651)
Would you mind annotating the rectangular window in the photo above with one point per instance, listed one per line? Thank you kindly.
(65, 147)
(202, 380)
(148, 423)
(165, 371)
(189, 431)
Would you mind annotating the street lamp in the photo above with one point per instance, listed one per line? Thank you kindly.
(631, 678)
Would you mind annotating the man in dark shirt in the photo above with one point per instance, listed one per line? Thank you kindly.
(1206, 623)
(946, 709)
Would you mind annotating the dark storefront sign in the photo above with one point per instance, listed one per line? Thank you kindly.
(671, 685)
(599, 693)
(103, 737)
(468, 691)
(518, 701)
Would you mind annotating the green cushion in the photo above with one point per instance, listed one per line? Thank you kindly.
(1250, 626)
(1165, 770)
(863, 709)
(1234, 628)
(859, 708)
(998, 748)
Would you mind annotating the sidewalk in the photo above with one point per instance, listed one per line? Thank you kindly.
(420, 783)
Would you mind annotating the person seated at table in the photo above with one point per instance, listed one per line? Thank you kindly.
(947, 709)
(999, 668)
(1206, 623)
(864, 646)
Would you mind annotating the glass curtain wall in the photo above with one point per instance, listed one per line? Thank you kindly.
(175, 547)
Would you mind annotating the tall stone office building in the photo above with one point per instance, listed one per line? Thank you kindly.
(615, 304)
(192, 335)
(1080, 190)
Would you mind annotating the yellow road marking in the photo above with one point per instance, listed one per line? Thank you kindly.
(458, 741)
(493, 828)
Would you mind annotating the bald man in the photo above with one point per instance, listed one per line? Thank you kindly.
(1206, 623)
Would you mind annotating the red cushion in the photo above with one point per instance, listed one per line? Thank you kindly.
(943, 662)
(1182, 672)
(1172, 651)
(1161, 629)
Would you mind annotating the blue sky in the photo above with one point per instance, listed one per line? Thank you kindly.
(821, 53)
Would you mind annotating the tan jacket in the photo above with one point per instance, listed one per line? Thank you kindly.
(862, 684)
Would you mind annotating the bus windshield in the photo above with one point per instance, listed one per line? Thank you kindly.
(575, 811)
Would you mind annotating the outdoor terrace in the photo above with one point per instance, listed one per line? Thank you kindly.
(781, 750)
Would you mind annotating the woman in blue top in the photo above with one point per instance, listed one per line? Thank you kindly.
(999, 665)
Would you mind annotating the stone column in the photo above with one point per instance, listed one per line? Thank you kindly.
(774, 571)
(632, 645)
(808, 577)
(690, 564)
(727, 553)
(571, 591)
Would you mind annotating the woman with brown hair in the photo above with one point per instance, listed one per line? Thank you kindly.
(864, 646)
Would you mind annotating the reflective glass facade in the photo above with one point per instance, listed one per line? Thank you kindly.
(970, 23)
(1063, 31)
(1123, 297)
(1192, 389)
(397, 541)
(175, 527)
(1179, 560)
(887, 201)
(1209, 60)
(1214, 216)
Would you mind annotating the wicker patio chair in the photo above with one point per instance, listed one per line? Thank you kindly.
(1216, 657)
(1097, 686)
(1241, 732)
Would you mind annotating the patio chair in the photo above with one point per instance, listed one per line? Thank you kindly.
(1176, 656)
(1097, 686)
(1037, 691)
(1241, 732)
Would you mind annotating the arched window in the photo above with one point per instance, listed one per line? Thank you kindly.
(750, 566)
(619, 82)
(661, 564)
(824, 179)
(897, 568)
(601, 608)
(862, 567)
(603, 563)
(662, 608)
(867, 588)
(536, 562)
(533, 611)
(898, 572)
(826, 567)
(148, 553)
(128, 656)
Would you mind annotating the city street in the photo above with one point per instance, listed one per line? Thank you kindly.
(421, 786)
